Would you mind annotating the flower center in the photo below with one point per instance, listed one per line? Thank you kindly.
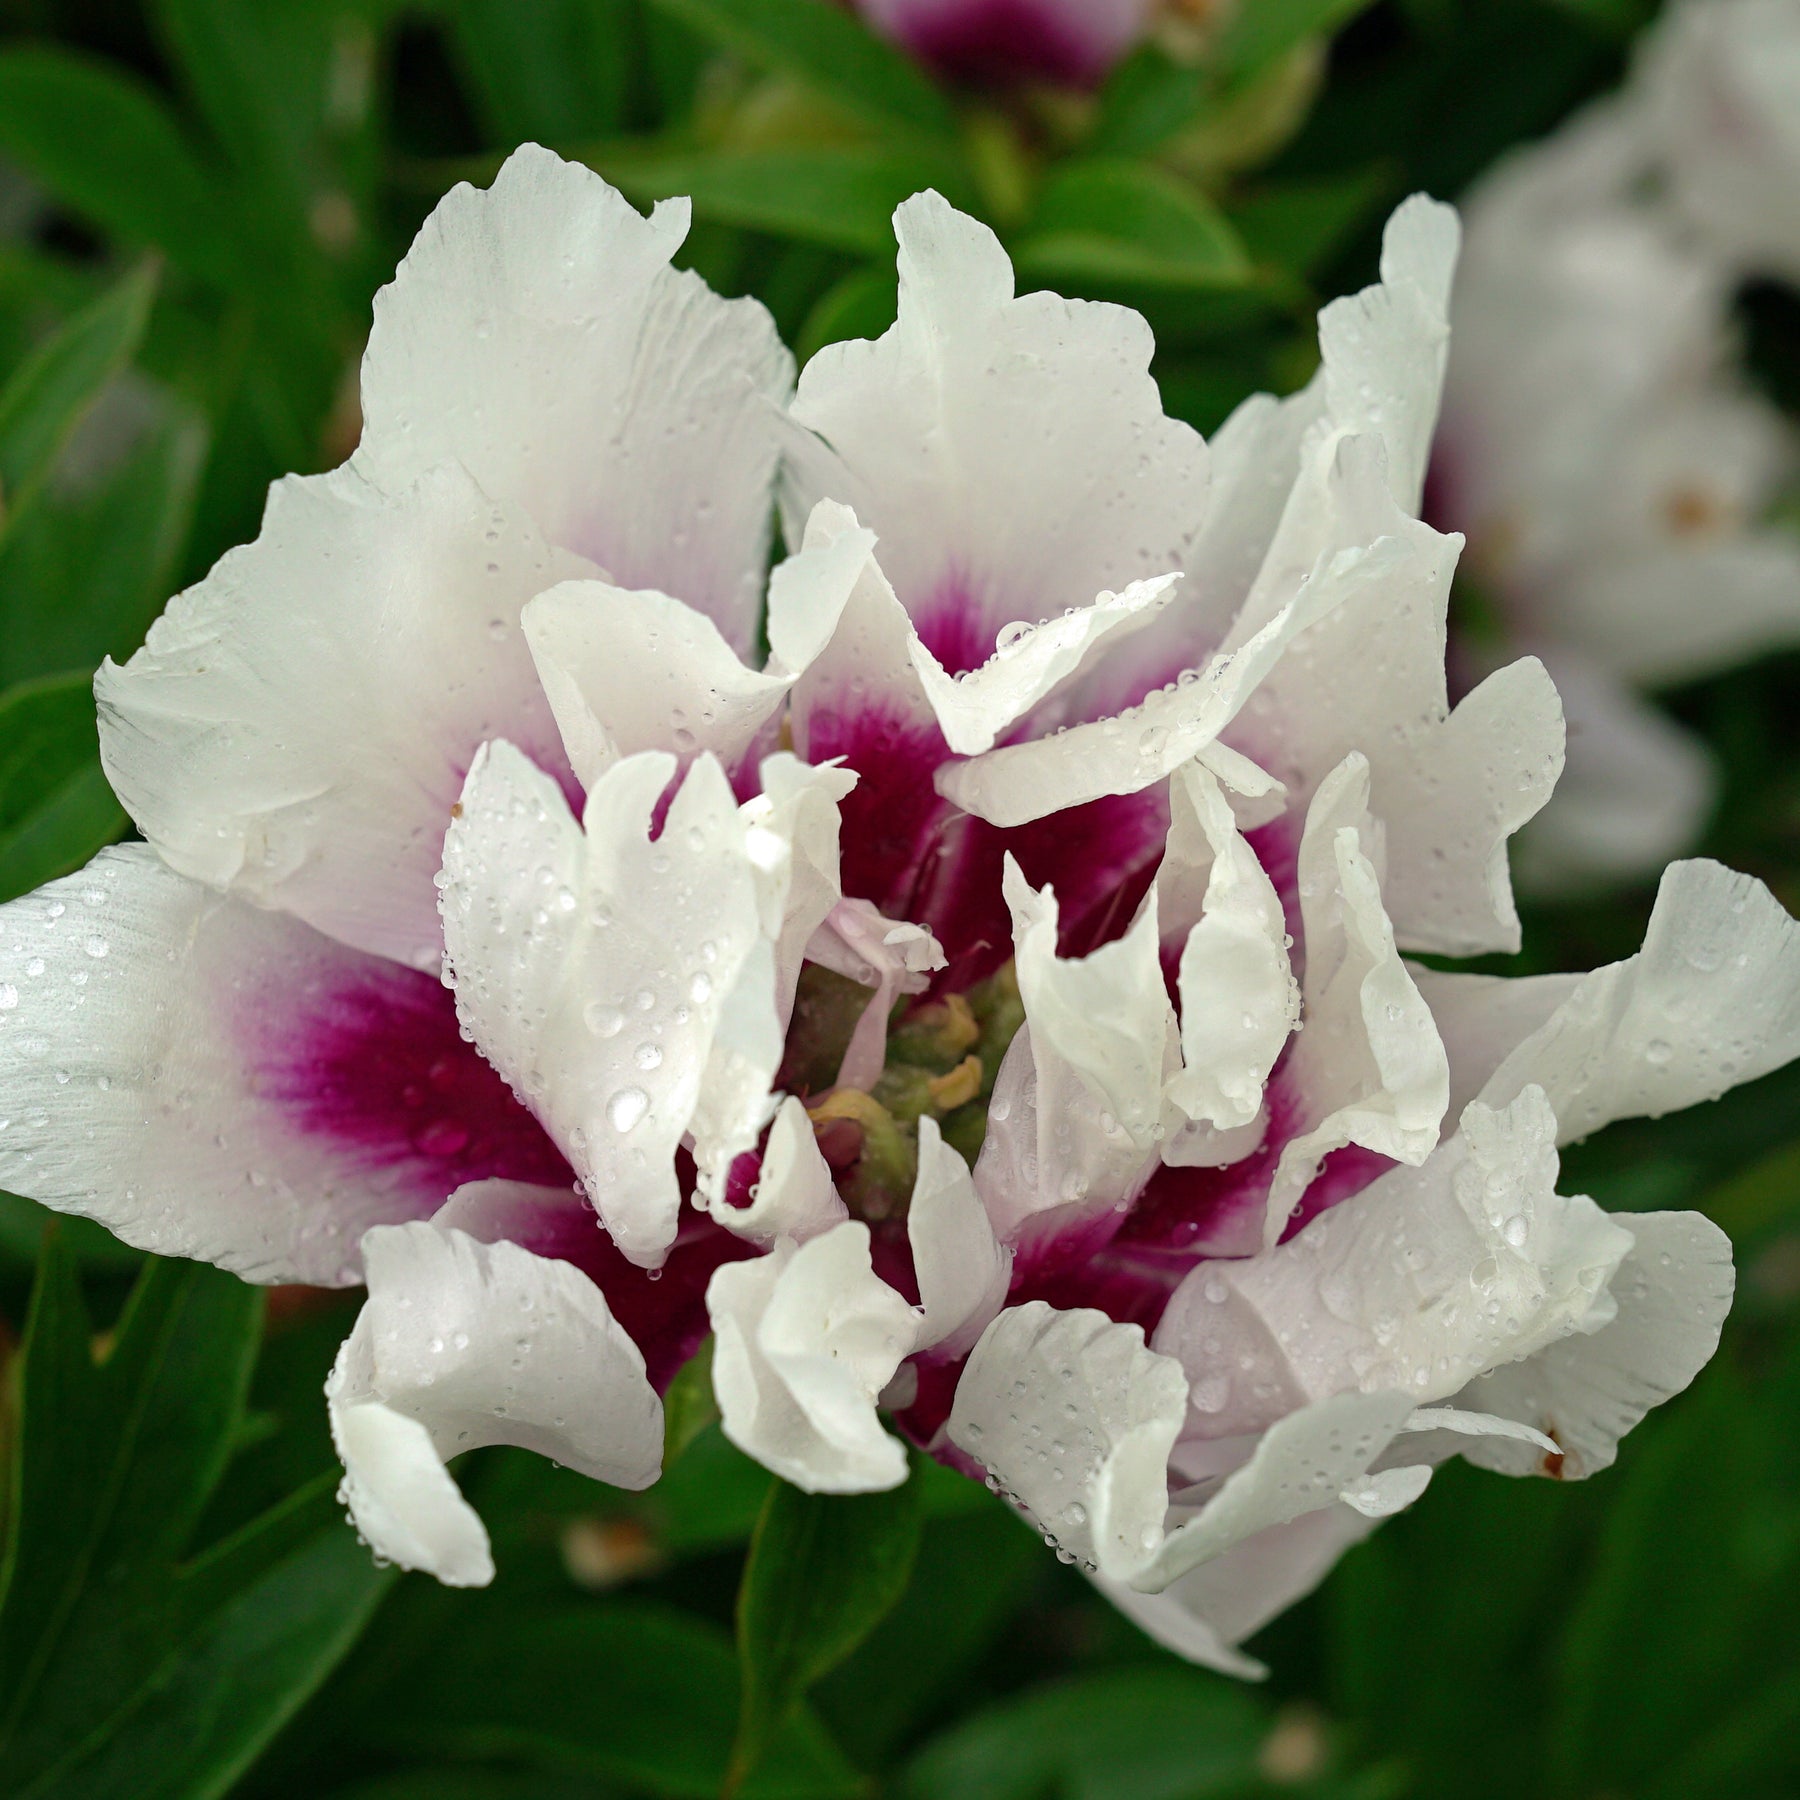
(942, 1056)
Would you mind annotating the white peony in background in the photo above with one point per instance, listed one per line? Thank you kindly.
(993, 1006)
(1622, 485)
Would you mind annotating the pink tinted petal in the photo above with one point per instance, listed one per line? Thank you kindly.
(1000, 43)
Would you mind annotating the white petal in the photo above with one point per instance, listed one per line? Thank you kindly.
(1384, 350)
(169, 1060)
(794, 1196)
(1636, 791)
(297, 726)
(1301, 1464)
(599, 969)
(806, 1338)
(1673, 1290)
(1045, 1400)
(1030, 661)
(1078, 1102)
(1422, 1281)
(1126, 753)
(1205, 1614)
(1368, 1066)
(1239, 1000)
(405, 1503)
(626, 672)
(1712, 999)
(478, 1344)
(962, 1268)
(1387, 1491)
(536, 334)
(1012, 454)
(794, 829)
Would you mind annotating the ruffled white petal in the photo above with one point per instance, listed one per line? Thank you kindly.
(1077, 1107)
(794, 1196)
(962, 1268)
(1368, 1066)
(1126, 752)
(1076, 1419)
(1012, 454)
(602, 971)
(1712, 1000)
(1030, 661)
(462, 1344)
(159, 1074)
(1672, 1291)
(1418, 1284)
(297, 726)
(1205, 1614)
(536, 334)
(1239, 1000)
(626, 672)
(893, 957)
(805, 1340)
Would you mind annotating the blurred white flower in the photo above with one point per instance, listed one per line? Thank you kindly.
(1610, 467)
(1067, 718)
(1720, 92)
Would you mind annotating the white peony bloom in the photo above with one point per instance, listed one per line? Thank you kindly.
(993, 1008)
(1599, 448)
(1720, 81)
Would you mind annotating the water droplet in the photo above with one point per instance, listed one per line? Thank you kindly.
(626, 1108)
(602, 1020)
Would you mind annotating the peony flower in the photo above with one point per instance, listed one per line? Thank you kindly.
(1019, 1042)
(1613, 474)
(1720, 91)
(1072, 43)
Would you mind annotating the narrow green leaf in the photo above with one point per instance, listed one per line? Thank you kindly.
(1112, 221)
(126, 1674)
(1152, 1733)
(620, 1690)
(106, 146)
(823, 1571)
(688, 1405)
(1266, 30)
(837, 196)
(554, 72)
(47, 397)
(827, 47)
(56, 809)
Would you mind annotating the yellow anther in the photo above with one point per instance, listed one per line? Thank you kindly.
(958, 1087)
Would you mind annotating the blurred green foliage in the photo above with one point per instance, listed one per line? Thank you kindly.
(198, 199)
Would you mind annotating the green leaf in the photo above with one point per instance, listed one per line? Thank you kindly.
(56, 809)
(1111, 221)
(129, 1674)
(828, 48)
(619, 1690)
(93, 562)
(839, 196)
(1154, 1733)
(555, 71)
(1685, 1629)
(107, 147)
(688, 1405)
(863, 304)
(823, 1571)
(50, 393)
(1148, 99)
(972, 1573)
(1299, 225)
(1265, 30)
